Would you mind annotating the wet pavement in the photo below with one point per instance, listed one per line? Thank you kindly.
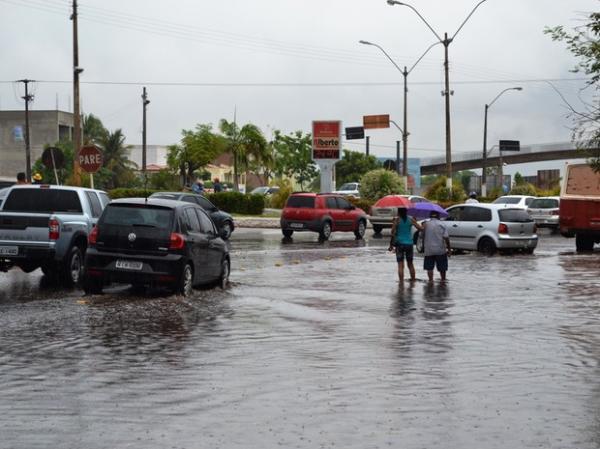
(313, 345)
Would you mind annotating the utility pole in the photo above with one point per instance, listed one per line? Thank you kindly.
(145, 103)
(447, 93)
(367, 148)
(27, 99)
(76, 114)
(398, 157)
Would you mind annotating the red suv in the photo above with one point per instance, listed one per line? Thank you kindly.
(323, 213)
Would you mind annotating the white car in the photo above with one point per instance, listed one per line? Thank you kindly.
(350, 189)
(520, 201)
(545, 211)
(383, 217)
(490, 227)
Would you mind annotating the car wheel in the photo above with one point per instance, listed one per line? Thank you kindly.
(73, 268)
(377, 229)
(186, 281)
(325, 232)
(486, 246)
(225, 270)
(92, 286)
(584, 243)
(360, 230)
(226, 230)
(287, 233)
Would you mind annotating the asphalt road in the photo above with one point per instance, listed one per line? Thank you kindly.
(312, 345)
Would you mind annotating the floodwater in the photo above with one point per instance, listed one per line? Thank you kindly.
(313, 345)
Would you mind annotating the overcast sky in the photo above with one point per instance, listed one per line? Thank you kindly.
(281, 64)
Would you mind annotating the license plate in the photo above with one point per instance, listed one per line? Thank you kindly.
(9, 250)
(297, 225)
(129, 265)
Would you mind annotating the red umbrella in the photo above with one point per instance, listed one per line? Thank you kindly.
(394, 201)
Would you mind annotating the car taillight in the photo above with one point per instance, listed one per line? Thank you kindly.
(93, 237)
(53, 229)
(177, 241)
(502, 228)
(554, 211)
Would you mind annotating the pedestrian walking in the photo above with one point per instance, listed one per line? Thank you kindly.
(436, 243)
(472, 198)
(217, 185)
(21, 178)
(401, 240)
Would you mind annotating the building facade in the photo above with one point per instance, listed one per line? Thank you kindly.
(45, 128)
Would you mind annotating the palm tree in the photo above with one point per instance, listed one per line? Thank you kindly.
(93, 129)
(116, 157)
(247, 145)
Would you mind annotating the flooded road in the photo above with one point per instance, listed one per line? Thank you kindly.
(313, 345)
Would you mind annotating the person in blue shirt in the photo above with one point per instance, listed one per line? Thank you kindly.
(402, 241)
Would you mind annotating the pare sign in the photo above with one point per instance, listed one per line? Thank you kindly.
(327, 139)
(90, 158)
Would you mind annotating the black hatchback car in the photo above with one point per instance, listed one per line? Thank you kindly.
(155, 242)
(222, 219)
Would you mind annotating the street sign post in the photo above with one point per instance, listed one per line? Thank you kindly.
(326, 149)
(90, 160)
(376, 121)
(355, 132)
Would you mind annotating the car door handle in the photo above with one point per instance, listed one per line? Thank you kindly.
(455, 226)
(480, 226)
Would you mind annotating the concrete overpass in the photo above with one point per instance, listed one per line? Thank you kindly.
(529, 153)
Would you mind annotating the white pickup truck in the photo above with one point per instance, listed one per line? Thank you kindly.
(47, 226)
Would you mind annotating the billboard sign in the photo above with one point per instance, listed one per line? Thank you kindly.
(327, 139)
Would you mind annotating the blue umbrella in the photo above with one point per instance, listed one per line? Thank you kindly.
(423, 210)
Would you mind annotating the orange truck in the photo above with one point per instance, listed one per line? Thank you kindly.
(579, 215)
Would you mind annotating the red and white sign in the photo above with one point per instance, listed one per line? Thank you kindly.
(327, 139)
(90, 158)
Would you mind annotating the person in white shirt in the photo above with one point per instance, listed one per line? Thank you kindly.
(472, 198)
(437, 246)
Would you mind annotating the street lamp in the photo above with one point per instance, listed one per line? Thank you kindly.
(446, 43)
(484, 159)
(404, 73)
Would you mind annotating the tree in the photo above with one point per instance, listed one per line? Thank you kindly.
(293, 156)
(379, 183)
(464, 177)
(116, 160)
(93, 130)
(196, 149)
(584, 43)
(247, 145)
(353, 166)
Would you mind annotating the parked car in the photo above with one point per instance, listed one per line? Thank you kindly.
(3, 193)
(490, 227)
(545, 211)
(155, 242)
(323, 213)
(520, 201)
(47, 227)
(264, 190)
(350, 189)
(382, 217)
(222, 219)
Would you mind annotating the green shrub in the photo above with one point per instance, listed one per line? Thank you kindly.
(524, 189)
(379, 183)
(238, 203)
(439, 192)
(285, 190)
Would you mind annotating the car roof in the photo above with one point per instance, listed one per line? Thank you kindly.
(52, 186)
(516, 196)
(547, 197)
(487, 206)
(173, 204)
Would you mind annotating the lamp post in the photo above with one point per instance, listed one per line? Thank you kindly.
(446, 41)
(484, 159)
(405, 74)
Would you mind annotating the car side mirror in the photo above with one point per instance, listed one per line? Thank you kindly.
(223, 233)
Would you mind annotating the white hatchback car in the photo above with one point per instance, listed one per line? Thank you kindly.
(520, 201)
(545, 211)
(349, 188)
(490, 227)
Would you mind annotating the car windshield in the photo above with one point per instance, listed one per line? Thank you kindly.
(301, 201)
(514, 216)
(260, 191)
(134, 215)
(165, 196)
(507, 200)
(544, 203)
(348, 186)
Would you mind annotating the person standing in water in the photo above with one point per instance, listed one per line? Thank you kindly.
(402, 241)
